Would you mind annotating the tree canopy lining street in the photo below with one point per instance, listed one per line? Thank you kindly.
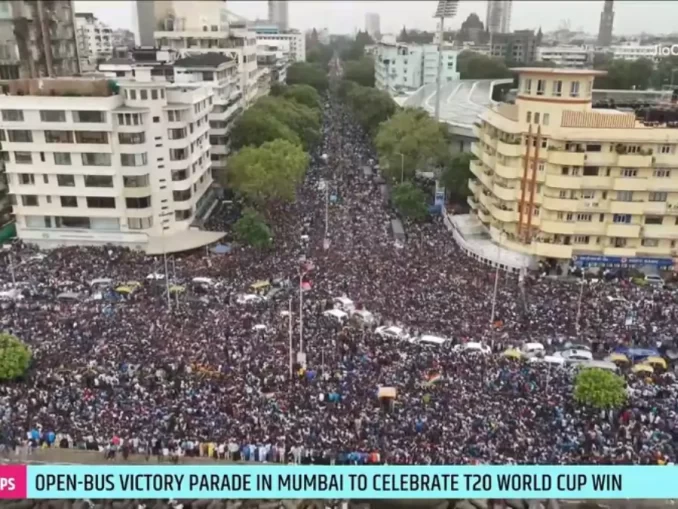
(15, 357)
(599, 389)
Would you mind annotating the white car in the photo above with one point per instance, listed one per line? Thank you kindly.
(249, 298)
(473, 347)
(364, 316)
(337, 314)
(344, 303)
(573, 356)
(260, 327)
(532, 350)
(391, 332)
(155, 277)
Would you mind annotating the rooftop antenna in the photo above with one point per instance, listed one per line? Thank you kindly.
(446, 9)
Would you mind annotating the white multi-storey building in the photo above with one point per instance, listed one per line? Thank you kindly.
(634, 51)
(295, 40)
(92, 163)
(409, 66)
(191, 28)
(95, 39)
(578, 57)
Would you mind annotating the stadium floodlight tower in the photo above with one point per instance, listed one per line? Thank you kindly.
(446, 9)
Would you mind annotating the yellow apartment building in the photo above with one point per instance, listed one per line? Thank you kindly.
(556, 178)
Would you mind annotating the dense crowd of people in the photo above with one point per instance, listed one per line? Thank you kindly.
(200, 377)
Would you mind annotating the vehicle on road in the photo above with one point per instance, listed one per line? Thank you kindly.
(249, 298)
(391, 332)
(473, 347)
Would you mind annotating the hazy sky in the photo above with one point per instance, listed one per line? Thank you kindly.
(343, 16)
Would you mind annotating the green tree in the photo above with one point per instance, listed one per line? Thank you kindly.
(455, 175)
(344, 88)
(626, 75)
(15, 357)
(474, 66)
(267, 173)
(302, 120)
(418, 137)
(251, 229)
(319, 54)
(361, 71)
(599, 389)
(255, 127)
(410, 201)
(305, 95)
(277, 89)
(370, 106)
(356, 50)
(303, 73)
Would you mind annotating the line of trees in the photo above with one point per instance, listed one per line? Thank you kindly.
(272, 139)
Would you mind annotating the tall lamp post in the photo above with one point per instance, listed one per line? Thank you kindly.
(446, 9)
(8, 248)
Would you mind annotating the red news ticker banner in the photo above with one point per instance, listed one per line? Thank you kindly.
(13, 481)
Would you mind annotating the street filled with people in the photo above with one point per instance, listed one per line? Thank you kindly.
(197, 355)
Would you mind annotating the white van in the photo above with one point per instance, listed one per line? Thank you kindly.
(207, 281)
(532, 349)
(344, 303)
(102, 282)
(473, 346)
(432, 340)
(364, 316)
(336, 314)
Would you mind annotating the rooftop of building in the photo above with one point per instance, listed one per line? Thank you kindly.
(558, 71)
(61, 87)
(204, 60)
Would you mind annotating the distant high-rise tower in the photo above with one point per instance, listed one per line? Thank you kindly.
(372, 24)
(498, 17)
(146, 23)
(278, 13)
(606, 24)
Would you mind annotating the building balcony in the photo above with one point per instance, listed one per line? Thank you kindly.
(504, 216)
(596, 182)
(660, 231)
(629, 184)
(477, 150)
(486, 200)
(560, 204)
(658, 208)
(484, 174)
(627, 207)
(634, 161)
(472, 202)
(665, 160)
(473, 186)
(505, 193)
(600, 159)
(488, 139)
(563, 182)
(509, 172)
(564, 158)
(662, 184)
(622, 252)
(573, 227)
(630, 231)
(551, 250)
(510, 149)
(488, 160)
(484, 215)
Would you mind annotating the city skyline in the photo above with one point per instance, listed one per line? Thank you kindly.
(650, 16)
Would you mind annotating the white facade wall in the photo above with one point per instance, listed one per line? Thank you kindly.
(296, 43)
(137, 171)
(634, 52)
(566, 56)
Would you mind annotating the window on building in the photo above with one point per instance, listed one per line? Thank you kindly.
(557, 88)
(529, 117)
(89, 117)
(527, 89)
(545, 120)
(139, 223)
(179, 175)
(132, 94)
(131, 138)
(588, 194)
(143, 94)
(26, 179)
(69, 201)
(536, 118)
(649, 242)
(66, 180)
(666, 149)
(129, 119)
(98, 181)
(52, 116)
(133, 159)
(100, 202)
(136, 181)
(79, 223)
(624, 195)
(96, 159)
(154, 94)
(62, 158)
(16, 136)
(574, 89)
(182, 215)
(178, 154)
(175, 116)
(176, 134)
(584, 217)
(29, 200)
(621, 218)
(661, 173)
(541, 87)
(658, 196)
(181, 195)
(58, 136)
(12, 115)
(581, 239)
(591, 171)
(91, 137)
(629, 172)
(654, 219)
(23, 157)
(156, 120)
(138, 203)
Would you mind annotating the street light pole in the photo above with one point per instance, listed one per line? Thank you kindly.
(301, 312)
(327, 209)
(581, 295)
(290, 333)
(164, 255)
(11, 265)
(496, 282)
(402, 167)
